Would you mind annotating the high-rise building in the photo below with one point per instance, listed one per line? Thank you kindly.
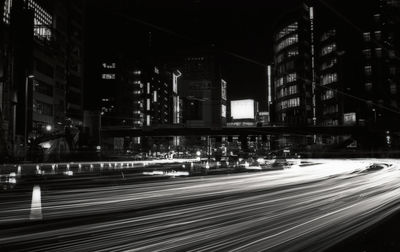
(337, 66)
(293, 76)
(203, 91)
(155, 99)
(381, 63)
(43, 81)
(316, 69)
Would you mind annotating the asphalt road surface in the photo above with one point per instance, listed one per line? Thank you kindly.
(308, 207)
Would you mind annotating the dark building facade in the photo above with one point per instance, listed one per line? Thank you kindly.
(43, 68)
(203, 91)
(338, 76)
(381, 63)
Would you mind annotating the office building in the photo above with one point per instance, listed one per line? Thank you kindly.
(293, 73)
(203, 91)
(337, 64)
(42, 79)
(381, 64)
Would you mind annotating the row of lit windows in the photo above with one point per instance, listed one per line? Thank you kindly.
(108, 76)
(368, 70)
(287, 30)
(329, 78)
(109, 66)
(367, 53)
(328, 49)
(377, 36)
(7, 11)
(292, 77)
(290, 103)
(288, 54)
(43, 21)
(287, 42)
(287, 91)
(328, 94)
(289, 66)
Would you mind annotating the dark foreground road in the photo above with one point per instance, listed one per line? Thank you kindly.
(304, 208)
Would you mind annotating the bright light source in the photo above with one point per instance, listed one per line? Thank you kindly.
(242, 109)
(98, 147)
(69, 173)
(49, 127)
(46, 145)
(198, 153)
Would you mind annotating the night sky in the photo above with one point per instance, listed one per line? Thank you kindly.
(240, 27)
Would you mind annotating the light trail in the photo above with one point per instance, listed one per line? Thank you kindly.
(306, 208)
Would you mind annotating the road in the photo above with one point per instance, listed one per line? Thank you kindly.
(308, 207)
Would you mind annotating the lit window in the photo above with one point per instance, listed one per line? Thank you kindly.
(148, 87)
(367, 36)
(148, 104)
(292, 53)
(329, 78)
(328, 94)
(148, 120)
(279, 82)
(368, 86)
(291, 103)
(108, 76)
(287, 42)
(287, 30)
(367, 53)
(42, 21)
(368, 70)
(155, 96)
(137, 72)
(7, 11)
(328, 49)
(287, 91)
(378, 35)
(378, 52)
(291, 77)
(377, 17)
(109, 66)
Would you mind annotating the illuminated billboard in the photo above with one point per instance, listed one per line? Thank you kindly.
(223, 111)
(243, 109)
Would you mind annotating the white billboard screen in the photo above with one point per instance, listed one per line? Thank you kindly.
(242, 109)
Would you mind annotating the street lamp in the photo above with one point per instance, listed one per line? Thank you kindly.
(374, 110)
(26, 112)
(49, 128)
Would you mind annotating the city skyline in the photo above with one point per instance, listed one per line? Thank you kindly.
(242, 35)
